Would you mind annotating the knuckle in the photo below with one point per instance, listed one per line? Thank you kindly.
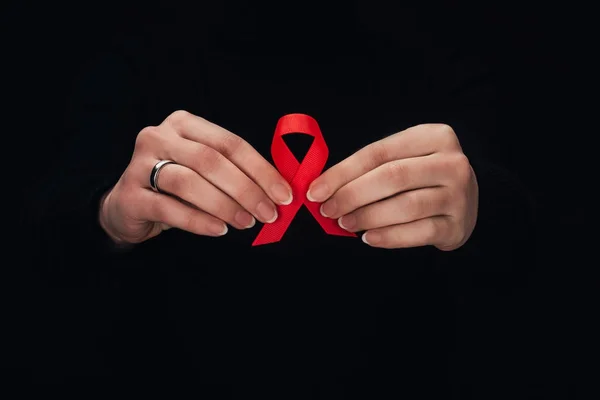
(248, 193)
(378, 154)
(224, 210)
(177, 118)
(147, 137)
(443, 129)
(230, 144)
(462, 168)
(207, 159)
(413, 204)
(445, 135)
(191, 221)
(397, 172)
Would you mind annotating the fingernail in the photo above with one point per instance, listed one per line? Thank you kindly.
(244, 219)
(371, 238)
(317, 193)
(266, 212)
(282, 194)
(347, 222)
(328, 208)
(218, 228)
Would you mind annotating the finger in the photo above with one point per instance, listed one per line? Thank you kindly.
(385, 181)
(222, 173)
(234, 148)
(187, 185)
(428, 231)
(166, 210)
(418, 141)
(400, 209)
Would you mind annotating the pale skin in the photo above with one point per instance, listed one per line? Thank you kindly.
(414, 188)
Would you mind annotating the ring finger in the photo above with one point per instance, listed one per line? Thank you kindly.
(223, 174)
(193, 189)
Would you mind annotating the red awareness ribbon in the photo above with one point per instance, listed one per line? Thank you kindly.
(299, 175)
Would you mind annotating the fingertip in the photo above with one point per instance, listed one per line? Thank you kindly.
(364, 238)
(218, 228)
(273, 219)
(317, 192)
(266, 212)
(244, 219)
(322, 212)
(372, 238)
(282, 194)
(347, 222)
(288, 201)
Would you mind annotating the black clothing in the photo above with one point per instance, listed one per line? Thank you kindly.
(313, 307)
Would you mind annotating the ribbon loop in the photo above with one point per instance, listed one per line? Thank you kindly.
(299, 175)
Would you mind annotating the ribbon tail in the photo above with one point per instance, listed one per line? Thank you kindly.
(330, 226)
(267, 239)
(270, 233)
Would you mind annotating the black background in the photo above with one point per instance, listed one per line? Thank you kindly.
(542, 326)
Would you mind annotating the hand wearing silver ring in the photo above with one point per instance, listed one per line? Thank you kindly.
(214, 179)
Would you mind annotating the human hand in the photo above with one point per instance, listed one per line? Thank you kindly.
(217, 179)
(413, 188)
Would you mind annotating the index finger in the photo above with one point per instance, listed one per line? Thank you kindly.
(417, 141)
(235, 149)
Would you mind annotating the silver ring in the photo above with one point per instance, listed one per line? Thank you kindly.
(155, 172)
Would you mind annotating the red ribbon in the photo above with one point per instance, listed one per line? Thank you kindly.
(299, 175)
